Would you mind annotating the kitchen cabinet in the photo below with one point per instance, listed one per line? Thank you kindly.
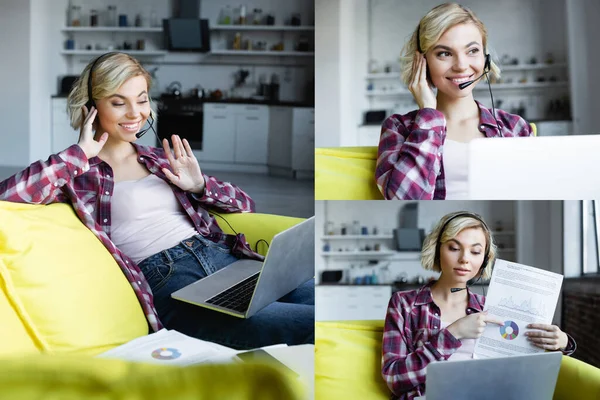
(292, 140)
(235, 133)
(218, 134)
(303, 139)
(339, 303)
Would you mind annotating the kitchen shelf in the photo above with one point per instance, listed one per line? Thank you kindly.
(98, 52)
(358, 253)
(261, 53)
(110, 29)
(262, 28)
(387, 75)
(531, 67)
(351, 237)
(481, 87)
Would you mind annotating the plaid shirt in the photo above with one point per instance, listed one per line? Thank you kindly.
(409, 159)
(412, 339)
(69, 177)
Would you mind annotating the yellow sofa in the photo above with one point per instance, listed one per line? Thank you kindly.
(348, 173)
(348, 365)
(64, 299)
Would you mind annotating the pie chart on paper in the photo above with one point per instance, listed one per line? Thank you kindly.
(510, 330)
(166, 353)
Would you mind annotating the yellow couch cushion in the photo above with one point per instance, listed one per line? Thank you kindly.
(67, 290)
(348, 361)
(346, 173)
(577, 380)
(75, 377)
(255, 227)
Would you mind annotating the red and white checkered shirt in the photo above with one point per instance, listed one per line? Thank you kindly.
(411, 146)
(69, 177)
(412, 338)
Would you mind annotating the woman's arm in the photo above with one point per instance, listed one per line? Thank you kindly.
(409, 157)
(223, 196)
(403, 368)
(42, 181)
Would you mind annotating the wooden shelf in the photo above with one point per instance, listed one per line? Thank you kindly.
(259, 53)
(111, 29)
(280, 28)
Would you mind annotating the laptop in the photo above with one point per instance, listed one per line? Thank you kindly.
(245, 287)
(534, 168)
(531, 377)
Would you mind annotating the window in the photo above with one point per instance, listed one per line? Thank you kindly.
(590, 233)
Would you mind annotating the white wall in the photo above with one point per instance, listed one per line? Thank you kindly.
(327, 77)
(15, 82)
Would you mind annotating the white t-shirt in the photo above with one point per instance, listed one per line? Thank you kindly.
(455, 169)
(147, 218)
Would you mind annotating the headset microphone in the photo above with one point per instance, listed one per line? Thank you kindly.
(486, 69)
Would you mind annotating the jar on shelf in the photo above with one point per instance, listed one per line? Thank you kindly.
(355, 228)
(257, 17)
(226, 15)
(75, 16)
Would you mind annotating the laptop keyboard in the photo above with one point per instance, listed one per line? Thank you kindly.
(237, 297)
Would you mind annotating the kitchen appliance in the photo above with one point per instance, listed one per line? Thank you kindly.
(183, 117)
(332, 276)
(187, 34)
(66, 84)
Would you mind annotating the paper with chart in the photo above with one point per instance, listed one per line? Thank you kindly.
(171, 347)
(518, 295)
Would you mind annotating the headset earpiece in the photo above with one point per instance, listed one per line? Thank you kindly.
(488, 63)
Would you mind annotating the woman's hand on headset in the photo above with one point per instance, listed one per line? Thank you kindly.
(88, 144)
(472, 326)
(547, 337)
(186, 173)
(419, 87)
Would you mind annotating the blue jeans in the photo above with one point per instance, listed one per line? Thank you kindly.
(289, 320)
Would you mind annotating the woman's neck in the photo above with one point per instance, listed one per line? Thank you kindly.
(457, 109)
(117, 151)
(441, 292)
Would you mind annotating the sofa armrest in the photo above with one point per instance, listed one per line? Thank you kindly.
(255, 227)
(577, 380)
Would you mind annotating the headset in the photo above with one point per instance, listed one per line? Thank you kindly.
(486, 69)
(91, 103)
(488, 245)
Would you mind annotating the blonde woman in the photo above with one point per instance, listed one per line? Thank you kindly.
(150, 208)
(422, 154)
(435, 323)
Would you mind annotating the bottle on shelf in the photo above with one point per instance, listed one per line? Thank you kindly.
(242, 17)
(93, 17)
(111, 16)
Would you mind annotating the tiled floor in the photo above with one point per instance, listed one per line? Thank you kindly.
(272, 195)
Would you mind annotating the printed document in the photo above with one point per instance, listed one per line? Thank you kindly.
(518, 295)
(171, 347)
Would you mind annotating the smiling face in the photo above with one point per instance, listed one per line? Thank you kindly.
(462, 257)
(124, 113)
(457, 57)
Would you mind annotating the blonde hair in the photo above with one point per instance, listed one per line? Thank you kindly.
(431, 27)
(458, 221)
(111, 70)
